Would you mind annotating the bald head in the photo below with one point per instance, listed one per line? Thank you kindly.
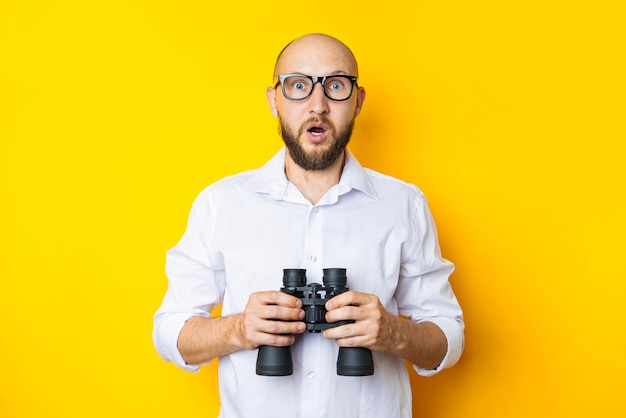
(316, 54)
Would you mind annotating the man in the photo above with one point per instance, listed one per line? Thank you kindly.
(312, 206)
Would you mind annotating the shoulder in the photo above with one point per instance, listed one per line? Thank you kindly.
(226, 186)
(387, 186)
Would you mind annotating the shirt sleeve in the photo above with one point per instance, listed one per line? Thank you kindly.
(195, 281)
(424, 292)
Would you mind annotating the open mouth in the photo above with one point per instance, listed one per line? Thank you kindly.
(316, 130)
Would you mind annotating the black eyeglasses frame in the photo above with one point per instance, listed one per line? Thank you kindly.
(281, 80)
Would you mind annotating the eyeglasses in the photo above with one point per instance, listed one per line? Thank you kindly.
(300, 86)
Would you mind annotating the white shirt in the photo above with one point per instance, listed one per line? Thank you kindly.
(245, 229)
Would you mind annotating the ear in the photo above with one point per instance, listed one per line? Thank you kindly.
(270, 93)
(360, 98)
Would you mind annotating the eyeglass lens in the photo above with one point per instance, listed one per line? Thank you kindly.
(298, 87)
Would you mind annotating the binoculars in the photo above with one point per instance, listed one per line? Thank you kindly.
(351, 361)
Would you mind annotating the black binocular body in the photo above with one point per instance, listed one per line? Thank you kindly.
(351, 361)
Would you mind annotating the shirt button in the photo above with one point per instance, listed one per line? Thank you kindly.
(311, 375)
(313, 259)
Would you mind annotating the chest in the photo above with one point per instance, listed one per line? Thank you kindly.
(262, 238)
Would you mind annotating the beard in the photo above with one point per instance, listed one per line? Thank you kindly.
(318, 159)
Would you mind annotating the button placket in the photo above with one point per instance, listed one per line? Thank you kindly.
(314, 244)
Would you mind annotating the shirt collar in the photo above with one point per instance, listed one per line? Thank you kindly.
(271, 179)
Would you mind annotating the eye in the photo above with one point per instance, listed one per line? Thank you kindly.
(298, 83)
(336, 84)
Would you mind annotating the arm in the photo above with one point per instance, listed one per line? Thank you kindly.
(184, 331)
(423, 344)
(202, 339)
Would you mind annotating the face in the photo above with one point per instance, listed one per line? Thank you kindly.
(317, 129)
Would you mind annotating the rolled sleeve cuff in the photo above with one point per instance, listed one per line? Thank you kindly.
(453, 330)
(165, 338)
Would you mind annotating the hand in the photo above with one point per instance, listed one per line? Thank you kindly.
(270, 318)
(373, 324)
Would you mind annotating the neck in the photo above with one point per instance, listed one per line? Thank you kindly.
(313, 184)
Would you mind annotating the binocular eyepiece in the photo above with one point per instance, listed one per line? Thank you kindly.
(351, 361)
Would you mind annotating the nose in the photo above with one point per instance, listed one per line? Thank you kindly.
(318, 102)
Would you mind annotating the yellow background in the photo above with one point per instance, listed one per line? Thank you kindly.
(509, 115)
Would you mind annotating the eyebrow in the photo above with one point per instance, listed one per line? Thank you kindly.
(338, 72)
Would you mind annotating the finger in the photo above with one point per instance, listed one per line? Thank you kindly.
(277, 333)
(350, 337)
(282, 327)
(275, 340)
(273, 319)
(358, 341)
(343, 331)
(343, 299)
(349, 298)
(282, 313)
(274, 305)
(345, 313)
(274, 297)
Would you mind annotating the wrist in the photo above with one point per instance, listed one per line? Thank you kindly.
(237, 337)
(398, 334)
